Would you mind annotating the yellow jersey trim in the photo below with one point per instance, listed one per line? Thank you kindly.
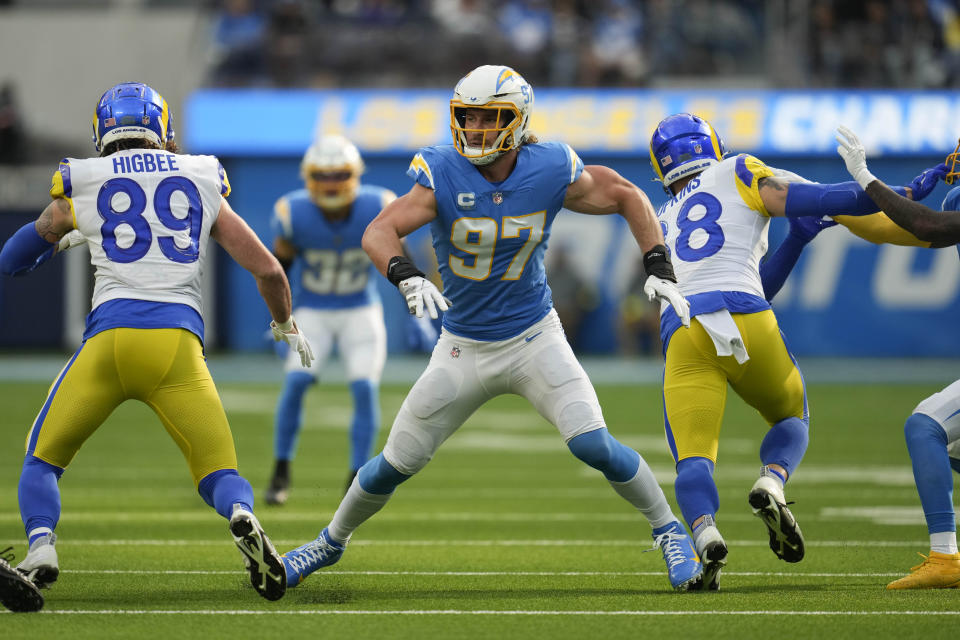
(747, 174)
(58, 190)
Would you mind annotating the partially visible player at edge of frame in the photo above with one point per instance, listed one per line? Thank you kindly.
(147, 213)
(716, 230)
(317, 231)
(490, 199)
(932, 430)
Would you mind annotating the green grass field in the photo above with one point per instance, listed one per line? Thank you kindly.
(504, 534)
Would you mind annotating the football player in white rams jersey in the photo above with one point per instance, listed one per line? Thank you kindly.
(933, 429)
(146, 214)
(490, 199)
(716, 229)
(317, 233)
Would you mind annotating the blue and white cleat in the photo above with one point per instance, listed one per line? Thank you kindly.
(307, 558)
(683, 563)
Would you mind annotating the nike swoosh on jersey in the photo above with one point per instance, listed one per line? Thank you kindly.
(529, 338)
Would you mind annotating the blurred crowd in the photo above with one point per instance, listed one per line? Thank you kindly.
(413, 43)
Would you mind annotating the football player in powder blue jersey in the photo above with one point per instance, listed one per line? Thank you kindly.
(933, 429)
(490, 199)
(317, 233)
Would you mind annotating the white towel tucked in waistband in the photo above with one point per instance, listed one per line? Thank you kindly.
(726, 337)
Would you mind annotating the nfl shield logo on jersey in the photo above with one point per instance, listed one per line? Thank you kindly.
(497, 198)
(455, 352)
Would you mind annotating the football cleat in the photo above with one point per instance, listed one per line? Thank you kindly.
(713, 556)
(262, 560)
(937, 571)
(41, 565)
(307, 558)
(279, 489)
(786, 540)
(17, 592)
(683, 565)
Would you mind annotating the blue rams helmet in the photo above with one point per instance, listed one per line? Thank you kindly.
(131, 110)
(683, 144)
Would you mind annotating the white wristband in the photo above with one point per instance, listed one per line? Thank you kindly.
(286, 326)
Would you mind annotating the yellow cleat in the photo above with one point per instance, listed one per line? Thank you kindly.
(937, 571)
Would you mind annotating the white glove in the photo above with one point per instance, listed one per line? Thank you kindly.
(422, 294)
(854, 155)
(70, 240)
(656, 287)
(290, 333)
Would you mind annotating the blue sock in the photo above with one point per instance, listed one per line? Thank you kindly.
(379, 476)
(366, 421)
(927, 444)
(695, 489)
(290, 414)
(603, 452)
(39, 494)
(224, 488)
(785, 443)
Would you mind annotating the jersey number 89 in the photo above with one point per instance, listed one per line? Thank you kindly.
(133, 217)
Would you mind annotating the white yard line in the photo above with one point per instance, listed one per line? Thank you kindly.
(480, 612)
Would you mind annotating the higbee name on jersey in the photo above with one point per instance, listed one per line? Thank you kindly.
(145, 163)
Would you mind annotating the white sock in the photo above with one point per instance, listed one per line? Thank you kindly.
(643, 492)
(356, 508)
(944, 542)
(707, 521)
